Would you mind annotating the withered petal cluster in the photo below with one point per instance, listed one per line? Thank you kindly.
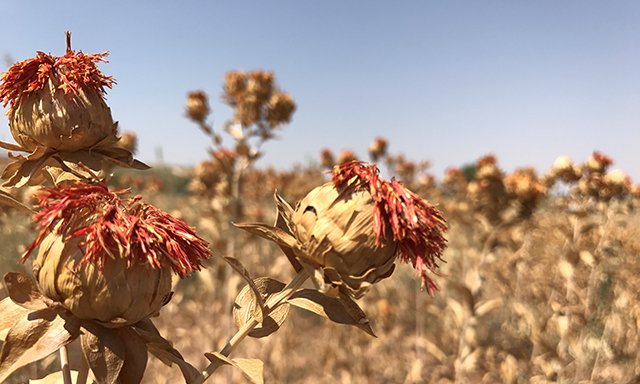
(112, 227)
(73, 71)
(415, 224)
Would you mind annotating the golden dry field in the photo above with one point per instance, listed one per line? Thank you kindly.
(538, 287)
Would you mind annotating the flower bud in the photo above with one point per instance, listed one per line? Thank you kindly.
(598, 162)
(378, 149)
(346, 156)
(280, 109)
(235, 83)
(343, 220)
(110, 259)
(326, 158)
(197, 106)
(260, 85)
(353, 228)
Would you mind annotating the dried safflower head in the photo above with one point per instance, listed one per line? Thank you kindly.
(525, 186)
(563, 163)
(618, 183)
(378, 148)
(260, 85)
(58, 102)
(280, 109)
(107, 258)
(326, 158)
(489, 159)
(235, 83)
(247, 110)
(454, 178)
(598, 162)
(346, 156)
(197, 106)
(354, 227)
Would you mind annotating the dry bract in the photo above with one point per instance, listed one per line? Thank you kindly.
(51, 118)
(117, 294)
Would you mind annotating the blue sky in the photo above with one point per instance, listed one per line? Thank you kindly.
(447, 81)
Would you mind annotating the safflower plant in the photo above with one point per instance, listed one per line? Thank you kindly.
(104, 260)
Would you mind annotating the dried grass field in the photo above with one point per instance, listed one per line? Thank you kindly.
(537, 290)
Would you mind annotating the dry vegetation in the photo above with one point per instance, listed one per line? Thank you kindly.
(545, 297)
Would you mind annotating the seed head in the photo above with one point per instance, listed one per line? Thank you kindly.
(197, 106)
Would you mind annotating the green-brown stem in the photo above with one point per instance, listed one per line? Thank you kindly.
(272, 303)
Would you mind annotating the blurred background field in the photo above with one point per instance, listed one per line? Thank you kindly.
(540, 295)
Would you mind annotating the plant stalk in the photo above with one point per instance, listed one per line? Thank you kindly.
(64, 365)
(272, 303)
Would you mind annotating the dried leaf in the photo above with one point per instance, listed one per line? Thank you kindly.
(104, 351)
(258, 309)
(163, 350)
(12, 147)
(135, 361)
(35, 336)
(487, 306)
(24, 292)
(341, 310)
(11, 312)
(244, 306)
(251, 368)
(7, 199)
(269, 232)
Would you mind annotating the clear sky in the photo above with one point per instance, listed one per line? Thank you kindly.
(447, 81)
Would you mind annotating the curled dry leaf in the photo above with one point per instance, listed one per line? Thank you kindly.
(487, 306)
(11, 312)
(341, 310)
(34, 336)
(8, 200)
(251, 368)
(104, 350)
(24, 292)
(245, 305)
(258, 309)
(163, 350)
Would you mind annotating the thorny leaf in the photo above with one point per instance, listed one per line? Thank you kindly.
(35, 336)
(341, 310)
(24, 292)
(251, 368)
(163, 350)
(104, 350)
(245, 305)
(11, 312)
(258, 309)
